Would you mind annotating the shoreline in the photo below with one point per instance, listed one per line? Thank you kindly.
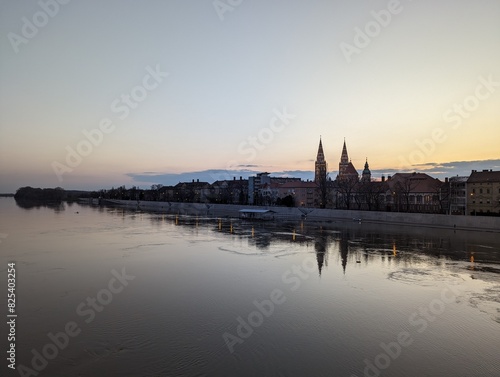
(453, 222)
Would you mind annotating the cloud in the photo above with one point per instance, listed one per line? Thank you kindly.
(442, 170)
(461, 167)
(210, 176)
(435, 169)
(302, 174)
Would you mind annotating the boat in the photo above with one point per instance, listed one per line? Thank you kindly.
(257, 214)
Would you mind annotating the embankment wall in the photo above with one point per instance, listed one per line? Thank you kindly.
(477, 223)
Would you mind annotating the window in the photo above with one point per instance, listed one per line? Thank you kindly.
(480, 190)
(487, 191)
(473, 191)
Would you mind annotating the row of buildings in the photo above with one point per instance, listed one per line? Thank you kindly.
(477, 194)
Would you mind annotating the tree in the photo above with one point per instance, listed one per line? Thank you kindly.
(369, 194)
(346, 188)
(242, 198)
(376, 194)
(287, 201)
(37, 194)
(156, 191)
(441, 195)
(325, 190)
(359, 196)
(402, 189)
(225, 193)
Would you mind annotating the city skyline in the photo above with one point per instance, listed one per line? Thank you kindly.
(98, 95)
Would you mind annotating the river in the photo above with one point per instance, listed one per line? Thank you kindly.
(106, 291)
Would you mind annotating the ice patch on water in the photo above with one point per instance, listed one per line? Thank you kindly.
(487, 301)
(423, 277)
(241, 251)
(480, 288)
(483, 246)
(146, 245)
(249, 251)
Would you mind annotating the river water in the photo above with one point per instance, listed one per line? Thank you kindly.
(105, 291)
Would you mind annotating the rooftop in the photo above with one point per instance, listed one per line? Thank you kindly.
(484, 176)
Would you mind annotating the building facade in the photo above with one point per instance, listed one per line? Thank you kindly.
(483, 193)
(305, 194)
(233, 191)
(458, 195)
(193, 192)
(416, 192)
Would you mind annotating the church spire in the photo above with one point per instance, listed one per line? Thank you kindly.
(320, 165)
(367, 175)
(346, 168)
(320, 156)
(344, 158)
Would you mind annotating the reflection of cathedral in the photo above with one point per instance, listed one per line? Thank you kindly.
(344, 248)
(320, 246)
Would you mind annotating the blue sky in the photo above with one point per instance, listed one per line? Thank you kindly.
(420, 90)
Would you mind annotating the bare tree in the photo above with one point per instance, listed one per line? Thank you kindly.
(376, 194)
(403, 188)
(324, 190)
(346, 189)
(368, 195)
(441, 195)
(155, 192)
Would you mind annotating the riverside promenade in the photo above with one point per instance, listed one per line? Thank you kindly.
(475, 223)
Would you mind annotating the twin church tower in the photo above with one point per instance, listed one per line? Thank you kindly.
(347, 171)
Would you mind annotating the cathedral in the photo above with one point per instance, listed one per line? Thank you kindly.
(320, 166)
(347, 171)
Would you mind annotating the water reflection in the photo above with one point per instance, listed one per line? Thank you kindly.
(320, 246)
(30, 204)
(357, 245)
(196, 274)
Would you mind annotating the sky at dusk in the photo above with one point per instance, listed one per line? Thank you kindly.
(95, 94)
